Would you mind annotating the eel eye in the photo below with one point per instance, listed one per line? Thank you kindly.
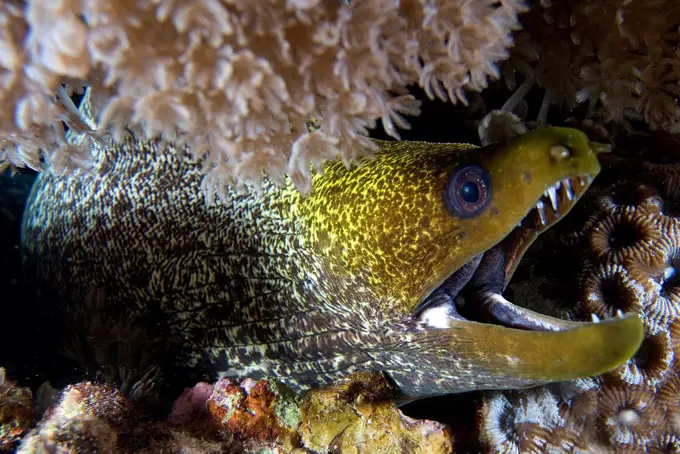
(468, 191)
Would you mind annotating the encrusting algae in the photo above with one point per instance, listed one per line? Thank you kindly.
(359, 415)
(356, 415)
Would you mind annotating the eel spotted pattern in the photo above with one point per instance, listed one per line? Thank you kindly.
(397, 265)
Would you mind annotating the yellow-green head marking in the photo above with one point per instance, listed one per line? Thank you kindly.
(393, 265)
(401, 221)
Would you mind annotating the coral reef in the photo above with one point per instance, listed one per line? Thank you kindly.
(353, 416)
(16, 412)
(91, 417)
(621, 249)
(238, 81)
(583, 418)
(282, 86)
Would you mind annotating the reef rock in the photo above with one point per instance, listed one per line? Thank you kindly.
(16, 412)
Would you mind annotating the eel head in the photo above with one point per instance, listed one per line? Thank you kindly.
(441, 249)
(506, 345)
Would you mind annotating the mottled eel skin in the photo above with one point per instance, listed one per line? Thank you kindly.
(311, 289)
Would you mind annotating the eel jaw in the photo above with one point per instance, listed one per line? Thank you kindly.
(468, 356)
(520, 348)
(551, 207)
(476, 288)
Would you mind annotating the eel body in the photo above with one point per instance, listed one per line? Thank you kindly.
(311, 288)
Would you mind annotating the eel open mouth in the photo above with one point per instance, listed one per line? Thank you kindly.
(475, 291)
(466, 336)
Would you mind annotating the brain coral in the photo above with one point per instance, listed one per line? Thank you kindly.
(618, 252)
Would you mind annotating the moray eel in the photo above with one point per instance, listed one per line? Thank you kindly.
(396, 265)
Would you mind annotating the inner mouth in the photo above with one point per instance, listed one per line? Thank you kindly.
(475, 291)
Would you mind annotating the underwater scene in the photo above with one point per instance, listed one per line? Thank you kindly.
(340, 226)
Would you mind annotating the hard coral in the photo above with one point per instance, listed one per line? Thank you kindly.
(634, 242)
(520, 422)
(352, 416)
(88, 418)
(596, 418)
(238, 81)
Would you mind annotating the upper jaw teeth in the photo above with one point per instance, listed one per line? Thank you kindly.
(541, 211)
(551, 195)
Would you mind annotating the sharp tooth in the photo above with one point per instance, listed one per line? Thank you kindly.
(567, 189)
(541, 211)
(619, 313)
(552, 193)
(595, 318)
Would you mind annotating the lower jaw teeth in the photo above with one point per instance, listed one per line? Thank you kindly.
(596, 319)
(514, 316)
